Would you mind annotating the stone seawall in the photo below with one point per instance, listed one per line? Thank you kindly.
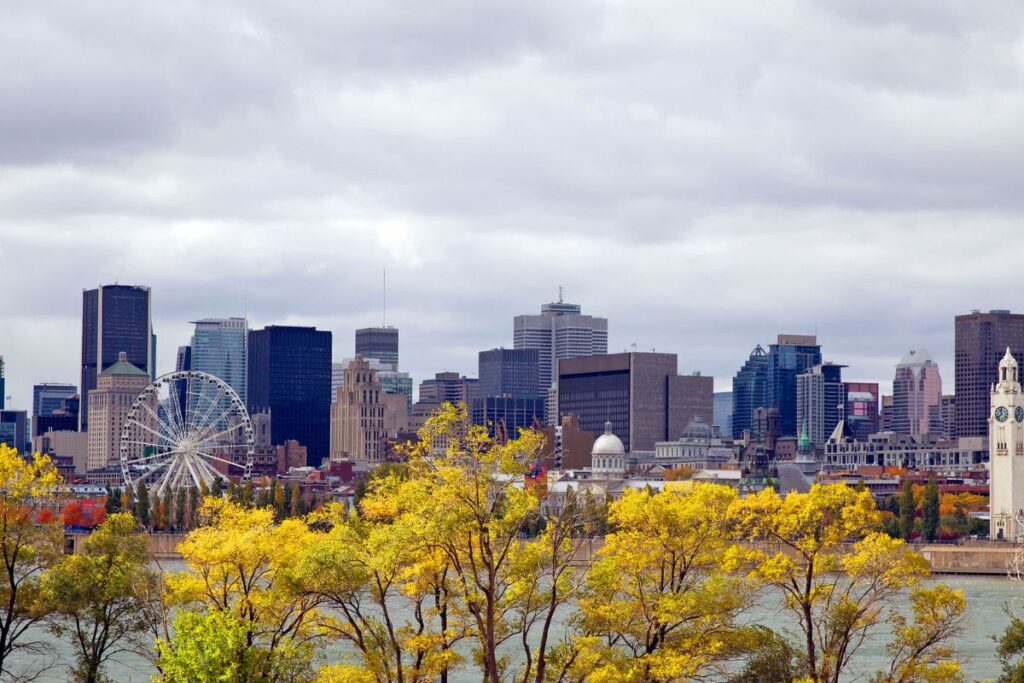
(161, 546)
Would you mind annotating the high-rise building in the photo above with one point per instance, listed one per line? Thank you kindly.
(749, 391)
(357, 416)
(641, 393)
(509, 372)
(289, 376)
(790, 356)
(917, 395)
(981, 340)
(117, 387)
(14, 429)
(860, 408)
(449, 387)
(3, 394)
(183, 360)
(505, 415)
(949, 417)
(1006, 448)
(560, 331)
(722, 412)
(379, 343)
(220, 348)
(820, 401)
(47, 398)
(115, 318)
(54, 407)
(885, 415)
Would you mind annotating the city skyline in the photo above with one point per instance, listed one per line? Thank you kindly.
(704, 177)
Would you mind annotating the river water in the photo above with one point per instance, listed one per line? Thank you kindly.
(986, 598)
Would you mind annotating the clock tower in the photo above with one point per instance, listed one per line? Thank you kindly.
(1006, 453)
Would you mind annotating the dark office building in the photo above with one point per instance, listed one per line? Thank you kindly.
(860, 408)
(290, 377)
(12, 429)
(2, 387)
(642, 395)
(790, 356)
(54, 408)
(183, 361)
(749, 391)
(115, 318)
(981, 341)
(509, 372)
(47, 398)
(504, 416)
(380, 343)
(448, 387)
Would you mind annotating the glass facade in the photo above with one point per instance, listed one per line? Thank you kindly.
(597, 397)
(378, 343)
(289, 377)
(504, 416)
(790, 356)
(981, 341)
(509, 372)
(115, 318)
(219, 348)
(46, 398)
(749, 391)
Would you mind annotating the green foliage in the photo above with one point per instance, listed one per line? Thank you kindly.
(907, 508)
(142, 510)
(101, 594)
(1010, 650)
(771, 658)
(930, 511)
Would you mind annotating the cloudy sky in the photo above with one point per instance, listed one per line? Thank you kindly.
(704, 175)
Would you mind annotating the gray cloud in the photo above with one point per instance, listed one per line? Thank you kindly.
(705, 176)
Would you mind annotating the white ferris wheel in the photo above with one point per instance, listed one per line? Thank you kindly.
(186, 430)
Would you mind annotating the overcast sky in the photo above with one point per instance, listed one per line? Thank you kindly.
(704, 175)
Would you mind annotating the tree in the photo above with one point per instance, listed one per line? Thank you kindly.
(921, 649)
(907, 507)
(930, 510)
(71, 514)
(113, 502)
(241, 583)
(180, 502)
(295, 502)
(142, 503)
(663, 598)
(837, 572)
(194, 497)
(98, 595)
(278, 500)
(27, 547)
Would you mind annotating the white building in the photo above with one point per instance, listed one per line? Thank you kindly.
(1006, 453)
(608, 456)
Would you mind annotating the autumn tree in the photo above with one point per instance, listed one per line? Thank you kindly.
(663, 599)
(837, 572)
(240, 584)
(142, 503)
(922, 649)
(98, 596)
(27, 547)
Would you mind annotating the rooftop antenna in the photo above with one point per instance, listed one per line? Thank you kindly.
(560, 291)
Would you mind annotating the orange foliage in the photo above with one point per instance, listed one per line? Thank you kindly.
(71, 514)
(45, 517)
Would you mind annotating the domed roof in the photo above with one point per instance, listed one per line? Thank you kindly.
(608, 443)
(698, 429)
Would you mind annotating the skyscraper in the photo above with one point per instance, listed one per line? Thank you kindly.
(722, 412)
(379, 343)
(749, 391)
(183, 361)
(917, 396)
(2, 384)
(509, 372)
(791, 355)
(13, 429)
(448, 387)
(560, 331)
(115, 318)
(860, 409)
(289, 376)
(642, 395)
(357, 416)
(819, 400)
(219, 348)
(981, 340)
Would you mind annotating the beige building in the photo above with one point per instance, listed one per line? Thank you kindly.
(116, 388)
(357, 415)
(74, 445)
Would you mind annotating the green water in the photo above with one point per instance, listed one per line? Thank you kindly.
(986, 597)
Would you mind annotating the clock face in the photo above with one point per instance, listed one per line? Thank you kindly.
(1002, 414)
(1018, 414)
